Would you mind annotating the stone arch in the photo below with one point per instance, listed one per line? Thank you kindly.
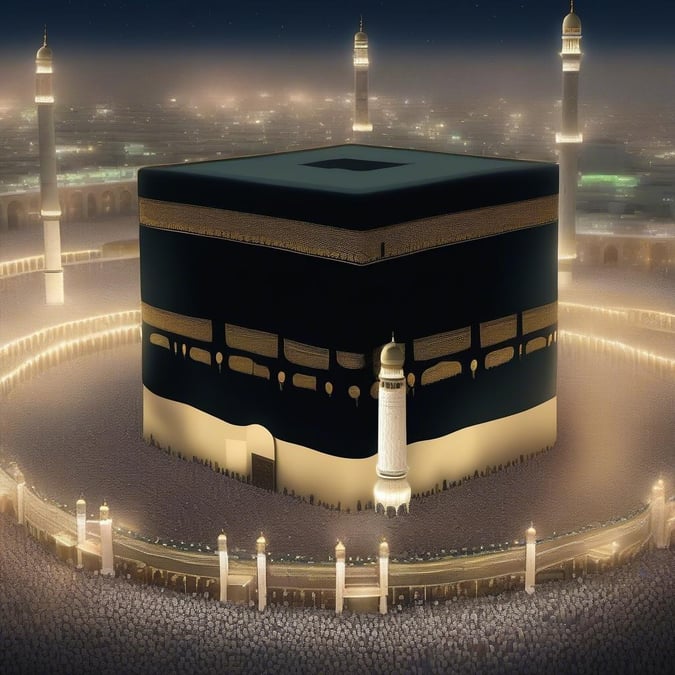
(126, 201)
(16, 215)
(75, 208)
(108, 206)
(658, 256)
(610, 255)
(92, 206)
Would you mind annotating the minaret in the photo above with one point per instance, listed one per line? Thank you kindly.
(361, 121)
(569, 138)
(50, 209)
(392, 488)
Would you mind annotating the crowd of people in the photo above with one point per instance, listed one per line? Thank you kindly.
(56, 619)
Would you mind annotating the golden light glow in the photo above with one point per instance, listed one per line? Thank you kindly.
(568, 138)
(44, 99)
(36, 263)
(52, 356)
(649, 318)
(71, 339)
(640, 357)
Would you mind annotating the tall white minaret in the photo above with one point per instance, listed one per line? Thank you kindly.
(392, 488)
(50, 209)
(569, 138)
(361, 63)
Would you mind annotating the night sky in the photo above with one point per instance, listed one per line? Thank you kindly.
(116, 47)
(286, 25)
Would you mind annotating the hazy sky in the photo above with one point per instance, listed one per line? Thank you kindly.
(117, 49)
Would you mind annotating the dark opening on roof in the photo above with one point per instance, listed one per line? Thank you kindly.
(353, 164)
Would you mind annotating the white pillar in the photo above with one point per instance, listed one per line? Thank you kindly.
(50, 208)
(384, 576)
(20, 497)
(105, 525)
(262, 572)
(339, 577)
(530, 559)
(361, 65)
(81, 519)
(658, 514)
(570, 138)
(392, 461)
(223, 564)
(392, 488)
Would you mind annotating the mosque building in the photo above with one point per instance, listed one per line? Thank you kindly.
(270, 285)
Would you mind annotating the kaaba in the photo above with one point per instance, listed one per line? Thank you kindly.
(270, 283)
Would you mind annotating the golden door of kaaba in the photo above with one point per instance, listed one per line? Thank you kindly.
(262, 472)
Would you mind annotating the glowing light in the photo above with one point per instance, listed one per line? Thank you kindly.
(613, 179)
(43, 68)
(392, 493)
(649, 318)
(568, 138)
(50, 213)
(636, 355)
(53, 355)
(44, 99)
(36, 263)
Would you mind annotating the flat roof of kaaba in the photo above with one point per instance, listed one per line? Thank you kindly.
(353, 186)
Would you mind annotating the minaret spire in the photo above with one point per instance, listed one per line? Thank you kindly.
(361, 65)
(569, 138)
(50, 208)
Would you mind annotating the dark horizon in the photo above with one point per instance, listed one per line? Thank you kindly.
(294, 25)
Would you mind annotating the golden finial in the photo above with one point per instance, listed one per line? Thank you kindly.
(571, 6)
(361, 24)
(44, 37)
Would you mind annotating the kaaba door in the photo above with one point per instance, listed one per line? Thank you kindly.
(263, 472)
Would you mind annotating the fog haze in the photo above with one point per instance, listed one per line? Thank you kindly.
(155, 74)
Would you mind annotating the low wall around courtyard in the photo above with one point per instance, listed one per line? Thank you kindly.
(303, 584)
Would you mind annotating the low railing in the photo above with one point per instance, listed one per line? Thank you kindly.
(36, 263)
(446, 576)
